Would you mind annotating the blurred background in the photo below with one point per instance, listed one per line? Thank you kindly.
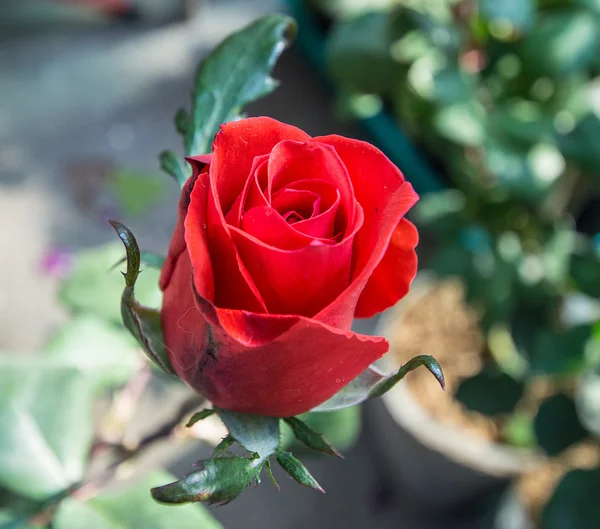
(492, 110)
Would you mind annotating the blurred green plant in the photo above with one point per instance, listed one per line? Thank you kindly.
(504, 98)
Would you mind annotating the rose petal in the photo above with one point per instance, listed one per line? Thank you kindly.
(230, 284)
(386, 197)
(237, 144)
(253, 367)
(299, 282)
(269, 227)
(252, 195)
(391, 279)
(177, 244)
(293, 161)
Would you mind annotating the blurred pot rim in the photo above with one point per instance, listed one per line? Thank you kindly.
(467, 449)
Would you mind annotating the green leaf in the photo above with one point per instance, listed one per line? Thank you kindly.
(9, 520)
(102, 352)
(201, 415)
(93, 286)
(131, 508)
(519, 13)
(174, 166)
(490, 392)
(218, 480)
(45, 425)
(310, 438)
(255, 433)
(297, 470)
(580, 144)
(462, 123)
(235, 74)
(143, 323)
(574, 504)
(373, 383)
(585, 270)
(561, 43)
(136, 192)
(560, 353)
(183, 122)
(518, 431)
(557, 425)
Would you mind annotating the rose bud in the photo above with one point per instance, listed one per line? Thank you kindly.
(282, 239)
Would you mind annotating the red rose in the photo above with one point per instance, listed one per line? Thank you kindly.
(281, 240)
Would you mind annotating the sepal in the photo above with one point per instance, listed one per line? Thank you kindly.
(373, 383)
(143, 322)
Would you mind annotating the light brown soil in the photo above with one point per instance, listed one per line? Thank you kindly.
(440, 323)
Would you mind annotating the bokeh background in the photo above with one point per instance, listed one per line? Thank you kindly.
(490, 108)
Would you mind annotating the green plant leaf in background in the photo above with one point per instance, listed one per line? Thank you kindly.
(561, 43)
(131, 508)
(490, 392)
(105, 354)
(560, 353)
(518, 13)
(574, 503)
(557, 425)
(95, 287)
(136, 191)
(235, 74)
(46, 425)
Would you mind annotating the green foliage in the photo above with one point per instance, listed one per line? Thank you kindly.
(46, 425)
(94, 286)
(490, 392)
(574, 503)
(557, 425)
(136, 192)
(235, 74)
(131, 508)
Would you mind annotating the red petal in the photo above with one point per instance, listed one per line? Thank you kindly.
(391, 279)
(299, 282)
(293, 161)
(297, 371)
(177, 244)
(183, 324)
(237, 144)
(269, 227)
(385, 197)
